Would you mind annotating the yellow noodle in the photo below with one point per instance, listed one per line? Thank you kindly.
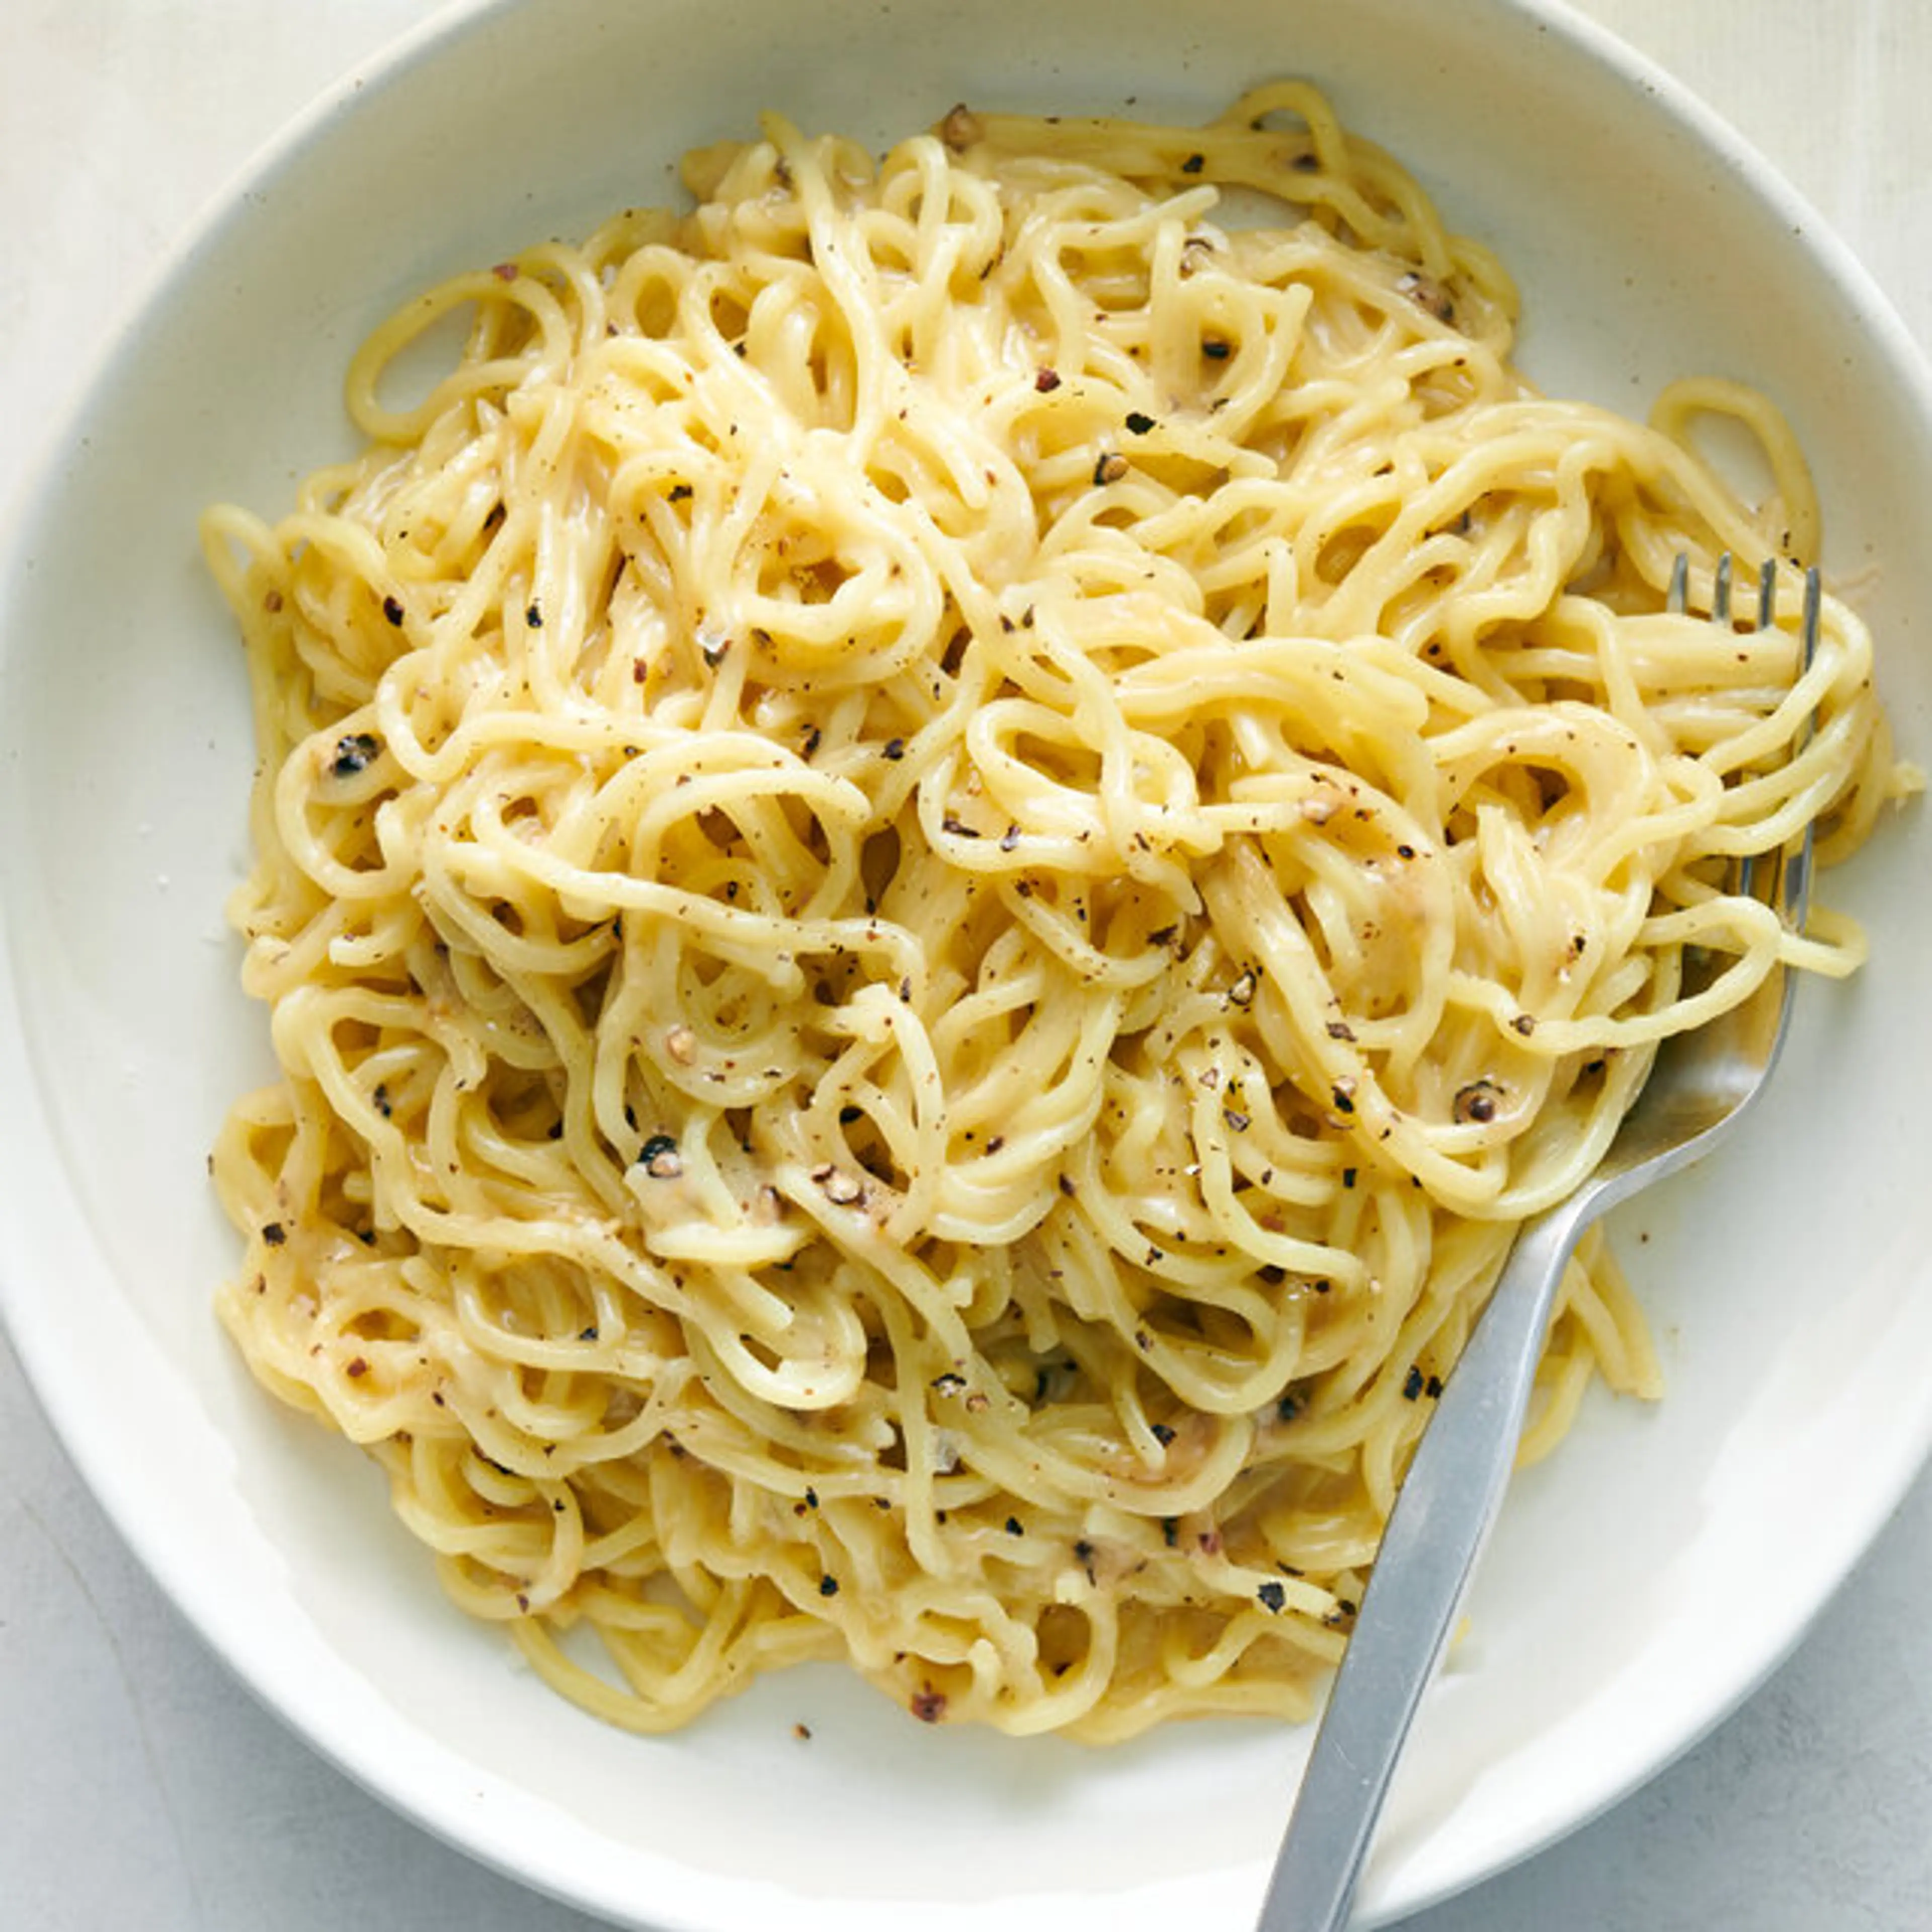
(943, 850)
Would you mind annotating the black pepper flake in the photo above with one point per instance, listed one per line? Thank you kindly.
(1271, 1596)
(533, 617)
(1239, 1122)
(1009, 839)
(1477, 1102)
(895, 749)
(658, 1157)
(358, 1366)
(587, 1334)
(1067, 1185)
(1524, 1024)
(961, 128)
(828, 1586)
(1193, 164)
(1109, 467)
(840, 1188)
(1170, 1532)
(929, 1705)
(948, 1383)
(957, 827)
(1273, 1272)
(1046, 381)
(1139, 423)
(1405, 851)
(1433, 1387)
(713, 653)
(1428, 294)
(680, 491)
(1215, 349)
(356, 752)
(1412, 1384)
(382, 1101)
(1162, 1433)
(274, 1234)
(1343, 1103)
(1340, 1030)
(1348, 1176)
(1014, 1527)
(392, 609)
(1287, 1408)
(812, 1498)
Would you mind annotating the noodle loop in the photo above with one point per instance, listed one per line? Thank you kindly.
(943, 850)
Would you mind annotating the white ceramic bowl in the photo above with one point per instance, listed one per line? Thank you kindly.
(1640, 1584)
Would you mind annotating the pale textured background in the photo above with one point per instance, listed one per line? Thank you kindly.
(140, 1786)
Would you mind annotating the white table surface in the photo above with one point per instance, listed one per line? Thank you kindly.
(140, 1786)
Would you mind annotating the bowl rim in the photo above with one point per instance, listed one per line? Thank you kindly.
(455, 1817)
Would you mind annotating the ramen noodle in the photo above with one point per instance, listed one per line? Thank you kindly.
(943, 850)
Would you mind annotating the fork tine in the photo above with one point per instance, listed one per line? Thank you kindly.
(1790, 885)
(1789, 889)
(1767, 613)
(1798, 867)
(1808, 634)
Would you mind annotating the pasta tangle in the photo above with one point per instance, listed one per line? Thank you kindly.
(943, 849)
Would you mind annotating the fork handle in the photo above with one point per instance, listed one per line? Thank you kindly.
(1442, 1519)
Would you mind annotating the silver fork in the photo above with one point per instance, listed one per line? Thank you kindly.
(1699, 1084)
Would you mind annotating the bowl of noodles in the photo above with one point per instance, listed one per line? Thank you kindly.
(937, 801)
